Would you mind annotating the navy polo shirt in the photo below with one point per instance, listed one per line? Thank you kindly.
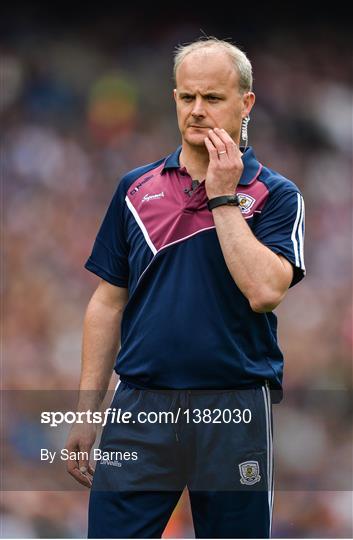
(186, 323)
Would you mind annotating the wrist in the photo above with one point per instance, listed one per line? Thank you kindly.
(220, 194)
(90, 400)
(223, 200)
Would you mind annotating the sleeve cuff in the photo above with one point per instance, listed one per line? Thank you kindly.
(100, 272)
(298, 273)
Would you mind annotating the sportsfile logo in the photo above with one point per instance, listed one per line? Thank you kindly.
(148, 197)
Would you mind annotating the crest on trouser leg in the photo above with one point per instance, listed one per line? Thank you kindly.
(249, 472)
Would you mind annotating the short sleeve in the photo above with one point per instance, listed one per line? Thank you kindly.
(281, 227)
(109, 257)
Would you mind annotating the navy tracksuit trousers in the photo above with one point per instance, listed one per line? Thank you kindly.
(211, 443)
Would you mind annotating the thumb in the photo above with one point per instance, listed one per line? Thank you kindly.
(83, 458)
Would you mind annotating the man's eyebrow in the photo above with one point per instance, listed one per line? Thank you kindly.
(213, 93)
(208, 93)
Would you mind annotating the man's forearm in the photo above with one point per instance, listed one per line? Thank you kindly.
(101, 338)
(257, 271)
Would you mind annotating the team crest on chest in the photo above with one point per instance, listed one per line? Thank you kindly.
(245, 202)
(249, 472)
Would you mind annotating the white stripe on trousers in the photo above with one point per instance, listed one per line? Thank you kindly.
(267, 401)
(115, 390)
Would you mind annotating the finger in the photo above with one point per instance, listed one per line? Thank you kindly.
(80, 469)
(84, 464)
(227, 140)
(71, 463)
(81, 478)
(83, 460)
(91, 469)
(223, 135)
(217, 141)
(212, 150)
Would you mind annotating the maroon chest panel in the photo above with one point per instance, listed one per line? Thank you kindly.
(166, 214)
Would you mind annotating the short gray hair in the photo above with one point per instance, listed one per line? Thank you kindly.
(241, 62)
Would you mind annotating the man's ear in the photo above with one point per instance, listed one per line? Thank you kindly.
(248, 103)
(174, 94)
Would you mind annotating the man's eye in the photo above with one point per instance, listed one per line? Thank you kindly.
(213, 98)
(186, 98)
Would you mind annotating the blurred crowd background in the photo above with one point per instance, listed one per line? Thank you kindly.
(87, 96)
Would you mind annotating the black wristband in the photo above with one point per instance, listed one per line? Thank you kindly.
(230, 200)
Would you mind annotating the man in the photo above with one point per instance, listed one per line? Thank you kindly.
(195, 252)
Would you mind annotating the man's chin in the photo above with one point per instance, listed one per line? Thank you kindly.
(197, 140)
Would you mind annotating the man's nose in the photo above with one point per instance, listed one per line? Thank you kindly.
(198, 108)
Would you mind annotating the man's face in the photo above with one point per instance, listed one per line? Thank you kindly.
(207, 96)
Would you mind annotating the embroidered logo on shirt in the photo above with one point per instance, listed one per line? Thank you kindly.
(137, 187)
(148, 197)
(249, 472)
(245, 202)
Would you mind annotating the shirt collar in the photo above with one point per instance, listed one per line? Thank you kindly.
(251, 170)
